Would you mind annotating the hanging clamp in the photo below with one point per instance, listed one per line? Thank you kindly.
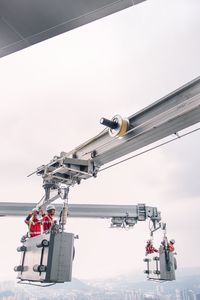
(63, 193)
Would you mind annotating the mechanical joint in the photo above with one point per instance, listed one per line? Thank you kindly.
(117, 126)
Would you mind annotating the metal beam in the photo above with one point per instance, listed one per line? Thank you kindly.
(166, 116)
(138, 212)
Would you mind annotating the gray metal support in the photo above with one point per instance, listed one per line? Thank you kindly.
(170, 114)
(127, 215)
(166, 116)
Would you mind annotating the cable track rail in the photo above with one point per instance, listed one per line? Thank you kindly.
(167, 116)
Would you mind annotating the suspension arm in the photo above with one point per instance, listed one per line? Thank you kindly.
(119, 214)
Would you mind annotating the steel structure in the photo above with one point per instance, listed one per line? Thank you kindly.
(120, 215)
(166, 116)
(24, 23)
(48, 257)
(162, 266)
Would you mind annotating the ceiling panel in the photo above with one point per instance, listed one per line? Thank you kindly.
(24, 23)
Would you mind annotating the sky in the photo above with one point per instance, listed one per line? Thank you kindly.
(53, 95)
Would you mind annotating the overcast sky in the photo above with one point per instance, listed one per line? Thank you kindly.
(52, 97)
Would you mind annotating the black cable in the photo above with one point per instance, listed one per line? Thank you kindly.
(150, 149)
(60, 216)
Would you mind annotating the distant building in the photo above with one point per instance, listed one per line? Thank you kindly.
(191, 295)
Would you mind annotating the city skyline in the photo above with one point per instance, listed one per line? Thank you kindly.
(125, 287)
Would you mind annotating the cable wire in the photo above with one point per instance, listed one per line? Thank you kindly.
(150, 149)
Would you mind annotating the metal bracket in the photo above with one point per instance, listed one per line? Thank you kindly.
(66, 170)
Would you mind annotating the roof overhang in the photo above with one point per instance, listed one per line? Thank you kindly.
(24, 23)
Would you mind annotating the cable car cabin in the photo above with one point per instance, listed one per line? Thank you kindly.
(47, 258)
(161, 266)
